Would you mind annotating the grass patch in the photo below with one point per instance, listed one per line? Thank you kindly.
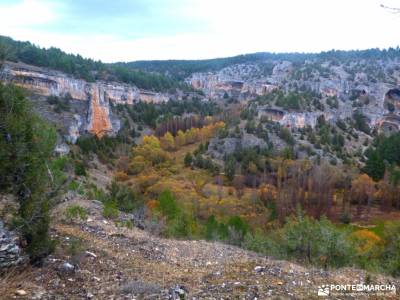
(76, 212)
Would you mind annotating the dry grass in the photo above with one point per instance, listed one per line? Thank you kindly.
(17, 278)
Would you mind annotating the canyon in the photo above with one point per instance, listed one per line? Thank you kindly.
(241, 82)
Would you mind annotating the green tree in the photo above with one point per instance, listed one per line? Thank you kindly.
(361, 122)
(125, 198)
(287, 136)
(26, 146)
(375, 166)
(237, 230)
(250, 127)
(384, 151)
(2, 53)
(211, 228)
(168, 205)
(229, 168)
(188, 159)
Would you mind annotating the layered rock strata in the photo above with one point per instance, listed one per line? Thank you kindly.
(96, 117)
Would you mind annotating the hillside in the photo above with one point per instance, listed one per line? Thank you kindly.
(119, 262)
(184, 68)
(258, 176)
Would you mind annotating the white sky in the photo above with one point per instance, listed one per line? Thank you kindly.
(206, 28)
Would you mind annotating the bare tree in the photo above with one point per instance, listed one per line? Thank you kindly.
(394, 10)
(218, 181)
(238, 183)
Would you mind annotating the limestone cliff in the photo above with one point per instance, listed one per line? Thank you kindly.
(237, 81)
(95, 115)
(99, 112)
(372, 91)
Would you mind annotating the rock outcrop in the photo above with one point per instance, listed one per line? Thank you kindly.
(293, 119)
(10, 252)
(282, 68)
(389, 123)
(218, 148)
(99, 112)
(234, 81)
(392, 98)
(95, 116)
(304, 119)
(353, 86)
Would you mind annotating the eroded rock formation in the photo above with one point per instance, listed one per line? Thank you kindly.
(94, 117)
(99, 112)
(389, 123)
(393, 97)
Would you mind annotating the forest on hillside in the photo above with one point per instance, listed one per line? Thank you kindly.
(180, 69)
(85, 68)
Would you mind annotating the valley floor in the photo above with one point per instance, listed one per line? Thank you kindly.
(120, 263)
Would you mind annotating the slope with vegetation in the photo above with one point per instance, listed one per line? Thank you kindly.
(174, 202)
(115, 260)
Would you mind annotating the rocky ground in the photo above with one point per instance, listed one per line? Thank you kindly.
(95, 259)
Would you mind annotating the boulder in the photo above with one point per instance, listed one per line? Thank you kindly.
(66, 268)
(10, 252)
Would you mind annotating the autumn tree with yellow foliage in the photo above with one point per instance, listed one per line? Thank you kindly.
(169, 143)
(149, 153)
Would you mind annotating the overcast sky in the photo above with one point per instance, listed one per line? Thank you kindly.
(126, 30)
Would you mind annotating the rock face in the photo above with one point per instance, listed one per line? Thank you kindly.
(234, 81)
(295, 119)
(389, 123)
(95, 116)
(282, 68)
(304, 119)
(99, 112)
(372, 90)
(10, 252)
(271, 114)
(393, 97)
(218, 148)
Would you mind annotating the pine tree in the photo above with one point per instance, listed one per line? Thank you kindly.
(375, 166)
(230, 165)
(188, 159)
(26, 146)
